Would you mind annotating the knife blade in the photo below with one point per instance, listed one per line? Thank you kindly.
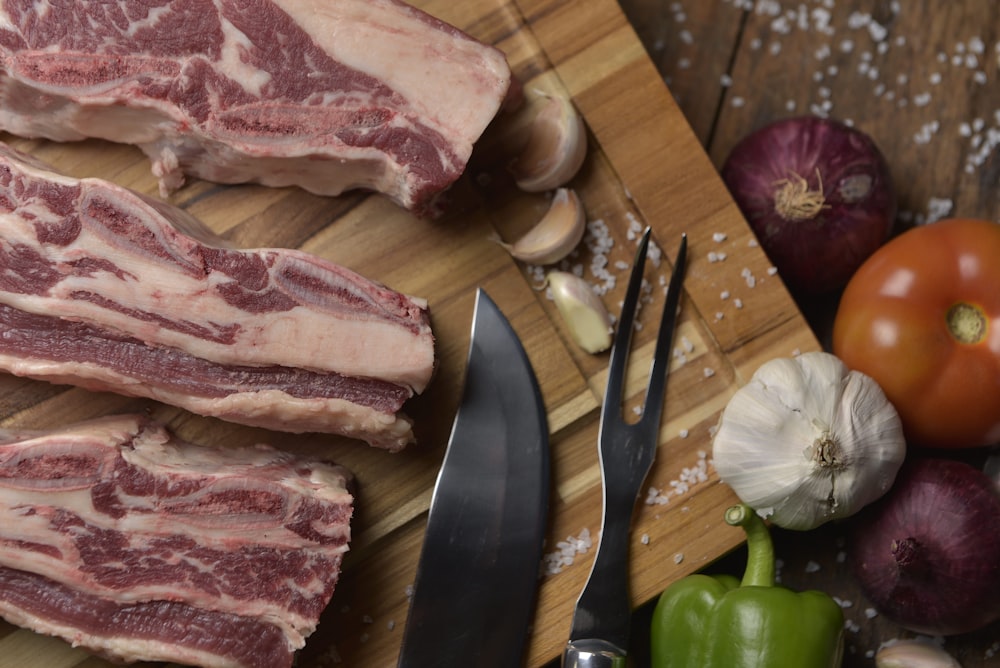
(474, 592)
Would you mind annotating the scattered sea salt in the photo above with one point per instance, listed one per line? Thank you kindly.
(566, 552)
(689, 476)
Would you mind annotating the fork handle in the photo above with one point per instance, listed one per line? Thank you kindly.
(600, 629)
(593, 653)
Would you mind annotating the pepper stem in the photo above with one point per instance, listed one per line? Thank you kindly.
(760, 550)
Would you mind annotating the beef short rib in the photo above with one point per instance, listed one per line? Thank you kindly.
(100, 289)
(119, 537)
(329, 96)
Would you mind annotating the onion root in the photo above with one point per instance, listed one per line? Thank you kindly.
(795, 200)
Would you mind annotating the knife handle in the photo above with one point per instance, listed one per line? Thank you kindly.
(593, 653)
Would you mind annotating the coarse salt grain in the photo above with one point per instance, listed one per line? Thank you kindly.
(938, 208)
(644, 539)
(678, 558)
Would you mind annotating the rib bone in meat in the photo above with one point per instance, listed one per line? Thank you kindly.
(119, 537)
(98, 288)
(328, 95)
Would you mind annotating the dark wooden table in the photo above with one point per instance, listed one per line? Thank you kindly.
(921, 78)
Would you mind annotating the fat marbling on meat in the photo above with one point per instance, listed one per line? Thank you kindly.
(100, 289)
(119, 537)
(326, 95)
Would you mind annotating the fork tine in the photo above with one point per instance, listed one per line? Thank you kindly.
(623, 335)
(623, 332)
(653, 404)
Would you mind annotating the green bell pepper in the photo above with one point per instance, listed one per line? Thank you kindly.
(704, 621)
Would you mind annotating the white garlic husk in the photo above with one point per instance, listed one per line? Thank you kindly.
(807, 441)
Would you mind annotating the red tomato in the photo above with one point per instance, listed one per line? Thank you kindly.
(922, 317)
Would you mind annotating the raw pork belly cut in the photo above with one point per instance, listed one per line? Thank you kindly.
(100, 289)
(117, 536)
(327, 95)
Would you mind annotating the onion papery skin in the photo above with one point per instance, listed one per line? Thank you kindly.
(815, 255)
(949, 582)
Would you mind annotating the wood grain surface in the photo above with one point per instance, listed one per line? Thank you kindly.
(922, 79)
(645, 167)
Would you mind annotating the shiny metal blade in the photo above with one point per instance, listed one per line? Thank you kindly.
(475, 589)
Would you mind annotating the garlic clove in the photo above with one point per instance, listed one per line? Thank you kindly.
(556, 147)
(586, 317)
(555, 236)
(914, 653)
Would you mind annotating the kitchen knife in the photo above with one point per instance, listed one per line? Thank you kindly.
(474, 594)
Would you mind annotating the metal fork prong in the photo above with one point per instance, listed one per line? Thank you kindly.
(661, 353)
(613, 393)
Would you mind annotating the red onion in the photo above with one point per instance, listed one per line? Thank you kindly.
(927, 555)
(818, 195)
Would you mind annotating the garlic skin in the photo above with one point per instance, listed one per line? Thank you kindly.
(554, 236)
(586, 317)
(807, 441)
(555, 149)
(914, 653)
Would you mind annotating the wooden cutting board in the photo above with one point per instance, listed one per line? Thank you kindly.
(645, 167)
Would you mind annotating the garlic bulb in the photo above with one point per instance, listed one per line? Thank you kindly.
(582, 310)
(807, 441)
(555, 236)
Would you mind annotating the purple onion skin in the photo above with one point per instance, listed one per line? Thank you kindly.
(815, 255)
(927, 555)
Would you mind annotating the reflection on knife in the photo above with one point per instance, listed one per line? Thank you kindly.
(474, 593)
(600, 630)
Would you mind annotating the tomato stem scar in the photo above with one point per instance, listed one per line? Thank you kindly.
(967, 323)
